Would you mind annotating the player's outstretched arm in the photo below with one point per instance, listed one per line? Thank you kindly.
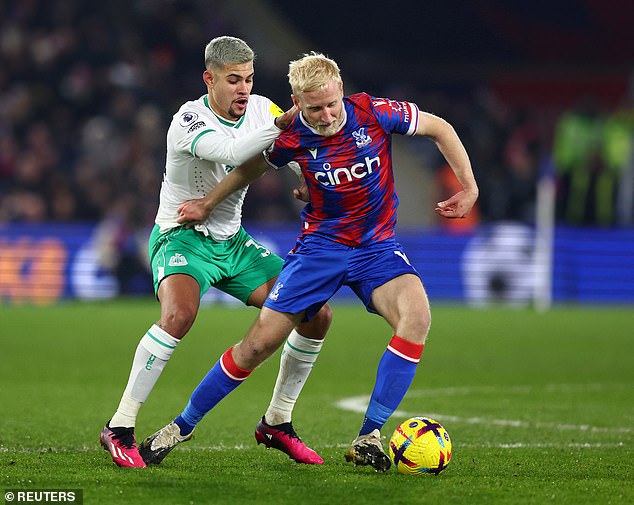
(193, 212)
(224, 149)
(449, 144)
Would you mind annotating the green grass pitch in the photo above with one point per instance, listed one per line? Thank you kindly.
(540, 408)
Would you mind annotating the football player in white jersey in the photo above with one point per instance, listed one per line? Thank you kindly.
(207, 139)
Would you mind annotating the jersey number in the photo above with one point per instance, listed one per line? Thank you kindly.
(253, 243)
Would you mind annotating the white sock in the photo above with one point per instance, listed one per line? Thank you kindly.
(298, 357)
(150, 358)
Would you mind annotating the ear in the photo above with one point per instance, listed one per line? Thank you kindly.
(208, 77)
(295, 102)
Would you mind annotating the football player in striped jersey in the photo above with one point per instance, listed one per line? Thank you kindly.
(343, 148)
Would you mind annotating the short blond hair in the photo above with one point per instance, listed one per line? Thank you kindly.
(312, 71)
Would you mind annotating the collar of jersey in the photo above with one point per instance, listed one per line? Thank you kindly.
(230, 124)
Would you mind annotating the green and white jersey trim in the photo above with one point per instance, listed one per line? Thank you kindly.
(202, 148)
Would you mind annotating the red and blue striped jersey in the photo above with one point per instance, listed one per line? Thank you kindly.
(349, 175)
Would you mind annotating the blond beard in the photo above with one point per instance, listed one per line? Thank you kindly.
(329, 130)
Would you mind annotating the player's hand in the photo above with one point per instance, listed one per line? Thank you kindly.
(301, 193)
(285, 119)
(193, 212)
(458, 206)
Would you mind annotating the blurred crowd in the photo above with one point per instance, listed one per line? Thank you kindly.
(84, 105)
(86, 95)
(587, 149)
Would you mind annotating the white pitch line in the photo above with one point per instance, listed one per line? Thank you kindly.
(496, 390)
(359, 405)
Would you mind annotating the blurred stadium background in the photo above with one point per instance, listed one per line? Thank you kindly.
(542, 94)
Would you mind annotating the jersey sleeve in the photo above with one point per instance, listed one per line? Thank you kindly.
(396, 116)
(277, 156)
(191, 133)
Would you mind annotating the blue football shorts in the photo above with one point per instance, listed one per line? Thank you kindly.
(315, 270)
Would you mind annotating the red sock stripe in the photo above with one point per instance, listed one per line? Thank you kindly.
(230, 368)
(406, 349)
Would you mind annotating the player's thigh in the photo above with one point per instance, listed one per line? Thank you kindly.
(403, 302)
(179, 291)
(259, 294)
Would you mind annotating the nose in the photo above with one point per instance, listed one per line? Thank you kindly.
(243, 88)
(326, 116)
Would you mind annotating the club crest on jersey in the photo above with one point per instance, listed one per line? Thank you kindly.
(177, 260)
(361, 138)
(187, 118)
(275, 292)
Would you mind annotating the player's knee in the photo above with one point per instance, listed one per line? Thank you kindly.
(177, 322)
(251, 353)
(424, 323)
(322, 319)
(415, 326)
(421, 316)
(426, 320)
(318, 326)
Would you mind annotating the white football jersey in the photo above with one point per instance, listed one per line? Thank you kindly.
(202, 148)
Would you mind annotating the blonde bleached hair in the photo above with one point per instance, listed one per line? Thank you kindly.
(311, 72)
